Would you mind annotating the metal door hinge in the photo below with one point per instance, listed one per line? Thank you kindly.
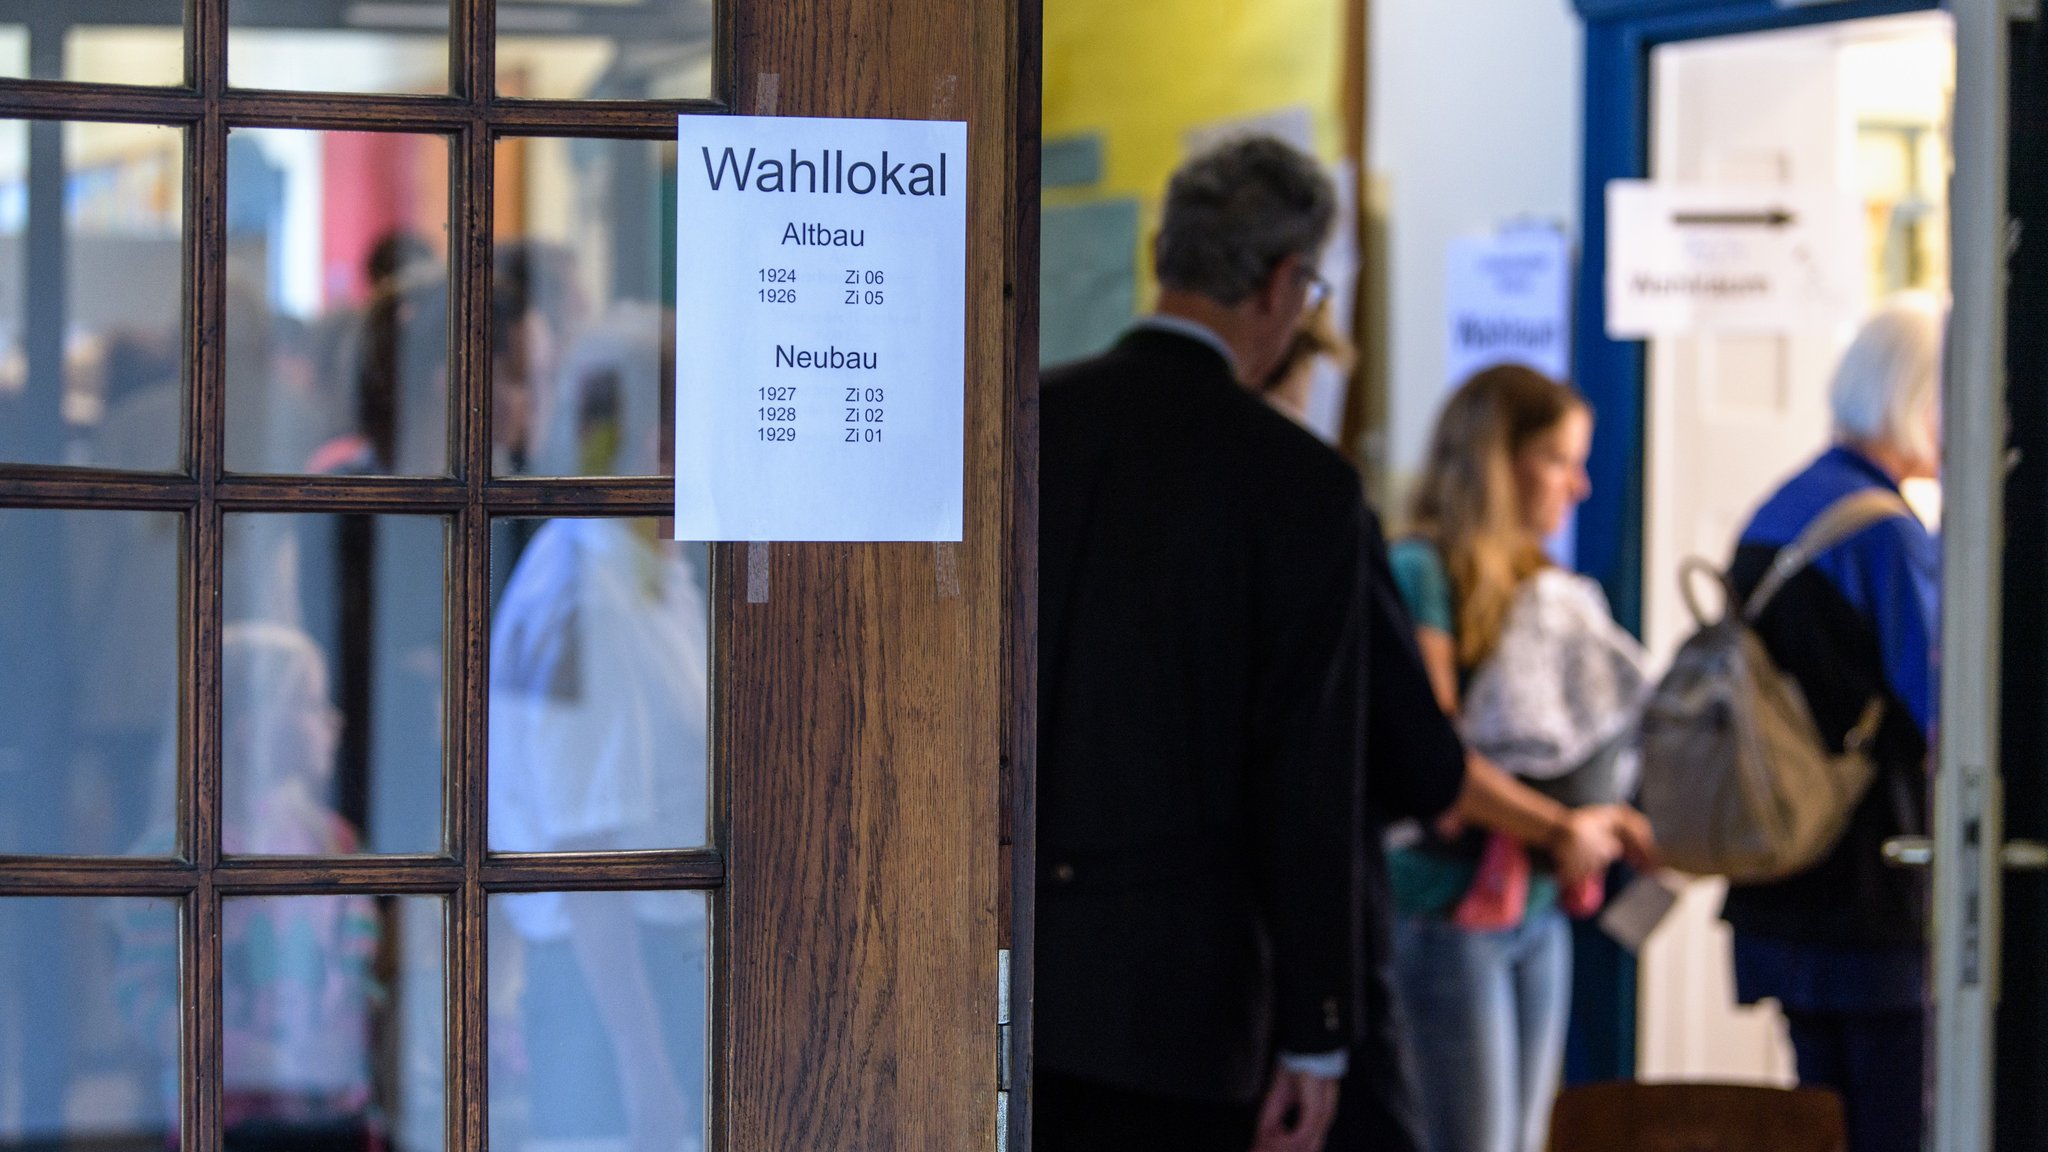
(1003, 1050)
(1003, 1019)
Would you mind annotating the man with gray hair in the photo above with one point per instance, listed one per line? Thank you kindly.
(1201, 626)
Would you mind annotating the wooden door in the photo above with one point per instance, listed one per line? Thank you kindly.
(334, 354)
(875, 693)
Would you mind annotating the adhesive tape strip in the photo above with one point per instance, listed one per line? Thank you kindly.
(757, 573)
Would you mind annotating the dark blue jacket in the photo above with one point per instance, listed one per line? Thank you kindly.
(1861, 622)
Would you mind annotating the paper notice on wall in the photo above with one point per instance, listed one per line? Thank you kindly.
(1508, 301)
(1685, 258)
(820, 328)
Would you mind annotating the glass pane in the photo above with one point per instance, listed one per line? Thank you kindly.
(583, 334)
(91, 216)
(147, 46)
(331, 685)
(376, 46)
(599, 687)
(89, 681)
(13, 52)
(598, 1021)
(331, 1021)
(89, 1027)
(337, 314)
(605, 49)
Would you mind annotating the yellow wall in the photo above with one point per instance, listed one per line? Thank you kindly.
(1142, 74)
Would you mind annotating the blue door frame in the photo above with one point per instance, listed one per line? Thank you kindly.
(1619, 37)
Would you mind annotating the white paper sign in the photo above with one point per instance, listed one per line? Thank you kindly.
(1685, 258)
(1508, 301)
(821, 277)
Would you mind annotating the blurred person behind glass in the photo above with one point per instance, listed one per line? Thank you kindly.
(538, 311)
(400, 371)
(297, 976)
(123, 596)
(599, 693)
(277, 411)
(361, 585)
(1841, 945)
(334, 342)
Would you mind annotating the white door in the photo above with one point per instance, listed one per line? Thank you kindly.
(1729, 415)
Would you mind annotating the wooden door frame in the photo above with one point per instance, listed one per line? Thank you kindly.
(876, 704)
(1967, 823)
(1020, 738)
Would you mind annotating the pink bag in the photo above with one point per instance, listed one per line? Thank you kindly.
(1582, 900)
(1499, 894)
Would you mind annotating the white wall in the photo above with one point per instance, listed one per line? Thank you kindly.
(1475, 121)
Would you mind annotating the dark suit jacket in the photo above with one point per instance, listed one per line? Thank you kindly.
(1417, 758)
(1201, 668)
(1416, 770)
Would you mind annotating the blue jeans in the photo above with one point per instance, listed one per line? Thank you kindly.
(1484, 1020)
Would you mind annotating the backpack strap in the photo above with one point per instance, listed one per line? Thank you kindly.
(1840, 521)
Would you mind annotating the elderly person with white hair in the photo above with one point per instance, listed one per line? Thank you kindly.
(1840, 946)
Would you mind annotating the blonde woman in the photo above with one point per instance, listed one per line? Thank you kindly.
(1482, 947)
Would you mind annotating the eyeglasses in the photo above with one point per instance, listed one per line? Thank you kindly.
(1318, 292)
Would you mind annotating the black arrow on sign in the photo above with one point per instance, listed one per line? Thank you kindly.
(1767, 218)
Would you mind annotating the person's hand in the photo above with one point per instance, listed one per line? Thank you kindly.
(1638, 839)
(1452, 824)
(1297, 1112)
(1586, 842)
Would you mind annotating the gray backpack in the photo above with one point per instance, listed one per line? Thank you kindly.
(1736, 780)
